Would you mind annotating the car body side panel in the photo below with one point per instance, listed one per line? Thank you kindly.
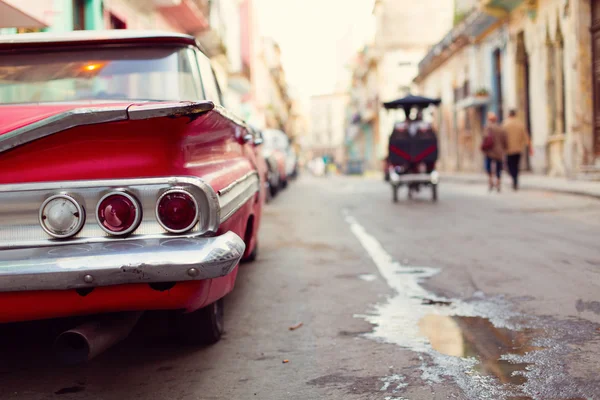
(27, 306)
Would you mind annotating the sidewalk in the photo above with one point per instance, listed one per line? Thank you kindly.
(532, 182)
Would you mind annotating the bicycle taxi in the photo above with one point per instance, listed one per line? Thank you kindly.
(413, 148)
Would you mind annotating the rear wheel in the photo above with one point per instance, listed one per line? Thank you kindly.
(394, 193)
(252, 256)
(201, 327)
(434, 193)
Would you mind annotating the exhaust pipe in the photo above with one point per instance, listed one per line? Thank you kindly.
(81, 344)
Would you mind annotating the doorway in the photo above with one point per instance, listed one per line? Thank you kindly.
(596, 72)
(523, 94)
(498, 84)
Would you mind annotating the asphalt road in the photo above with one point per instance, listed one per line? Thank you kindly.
(479, 296)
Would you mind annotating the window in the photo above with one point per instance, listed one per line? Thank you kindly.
(211, 89)
(78, 15)
(100, 73)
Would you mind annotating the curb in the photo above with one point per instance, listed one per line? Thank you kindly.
(524, 186)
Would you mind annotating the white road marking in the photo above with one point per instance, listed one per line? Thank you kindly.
(367, 277)
(405, 319)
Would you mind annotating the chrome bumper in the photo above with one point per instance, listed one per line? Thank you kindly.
(104, 264)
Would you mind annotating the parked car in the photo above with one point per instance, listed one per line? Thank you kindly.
(275, 152)
(266, 165)
(125, 185)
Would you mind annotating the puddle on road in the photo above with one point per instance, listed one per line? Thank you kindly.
(471, 341)
(476, 337)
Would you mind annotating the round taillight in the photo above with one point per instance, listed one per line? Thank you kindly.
(61, 216)
(118, 213)
(177, 211)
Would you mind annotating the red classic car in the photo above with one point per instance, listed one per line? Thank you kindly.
(125, 185)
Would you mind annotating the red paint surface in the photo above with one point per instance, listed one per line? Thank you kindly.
(206, 147)
(399, 152)
(425, 153)
(17, 116)
(25, 306)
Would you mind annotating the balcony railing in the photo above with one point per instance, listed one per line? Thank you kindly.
(190, 16)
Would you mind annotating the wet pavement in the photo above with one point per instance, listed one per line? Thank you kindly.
(480, 296)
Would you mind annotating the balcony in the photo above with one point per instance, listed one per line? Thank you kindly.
(476, 23)
(501, 8)
(188, 15)
(467, 99)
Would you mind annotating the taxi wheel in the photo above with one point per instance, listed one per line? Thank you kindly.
(201, 327)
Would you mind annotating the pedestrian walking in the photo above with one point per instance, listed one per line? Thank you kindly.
(494, 147)
(517, 139)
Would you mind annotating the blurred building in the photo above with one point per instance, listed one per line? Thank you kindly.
(327, 126)
(66, 15)
(534, 56)
(362, 120)
(384, 70)
(248, 66)
(298, 127)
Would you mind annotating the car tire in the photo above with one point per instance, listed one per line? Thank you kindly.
(284, 184)
(201, 327)
(274, 189)
(252, 256)
(273, 181)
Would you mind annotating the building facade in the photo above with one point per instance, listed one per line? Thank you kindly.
(187, 16)
(327, 126)
(533, 56)
(363, 110)
(384, 70)
(248, 67)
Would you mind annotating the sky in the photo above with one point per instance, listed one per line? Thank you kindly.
(317, 38)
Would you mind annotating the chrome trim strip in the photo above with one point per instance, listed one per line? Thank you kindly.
(60, 122)
(106, 264)
(235, 195)
(147, 111)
